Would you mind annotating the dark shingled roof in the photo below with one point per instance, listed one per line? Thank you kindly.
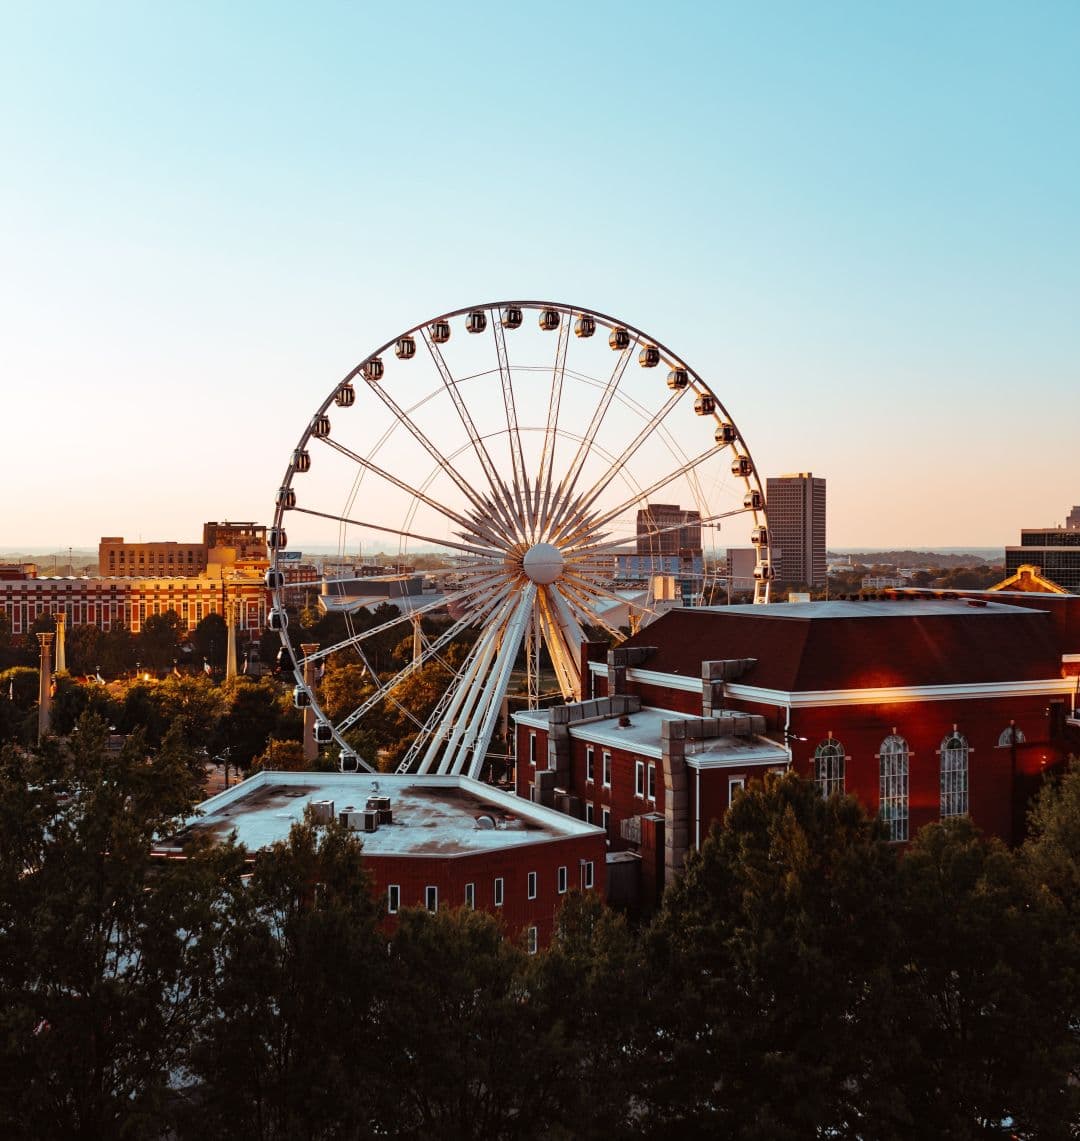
(859, 645)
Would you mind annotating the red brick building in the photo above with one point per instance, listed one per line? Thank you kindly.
(921, 707)
(436, 841)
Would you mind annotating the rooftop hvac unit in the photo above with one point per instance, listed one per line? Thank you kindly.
(351, 818)
(322, 811)
(371, 820)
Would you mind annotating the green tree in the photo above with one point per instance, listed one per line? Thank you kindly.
(84, 645)
(95, 999)
(772, 976)
(253, 713)
(158, 643)
(281, 756)
(589, 991)
(987, 980)
(117, 651)
(293, 985)
(210, 641)
(461, 1050)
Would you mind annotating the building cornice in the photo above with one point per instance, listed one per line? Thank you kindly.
(875, 695)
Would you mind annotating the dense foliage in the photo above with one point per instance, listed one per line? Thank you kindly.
(801, 980)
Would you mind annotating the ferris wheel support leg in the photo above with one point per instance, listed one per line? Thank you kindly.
(455, 727)
(491, 706)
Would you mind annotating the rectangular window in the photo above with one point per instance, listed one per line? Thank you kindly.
(587, 874)
(590, 763)
(393, 898)
(605, 820)
(639, 778)
(532, 748)
(589, 813)
(652, 782)
(562, 880)
(532, 885)
(530, 942)
(498, 891)
(431, 898)
(607, 769)
(470, 896)
(734, 785)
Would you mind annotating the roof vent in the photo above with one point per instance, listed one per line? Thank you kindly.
(624, 722)
(485, 823)
(975, 601)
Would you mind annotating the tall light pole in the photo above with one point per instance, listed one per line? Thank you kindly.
(45, 685)
(311, 746)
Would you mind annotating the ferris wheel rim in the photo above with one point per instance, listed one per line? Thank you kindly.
(695, 382)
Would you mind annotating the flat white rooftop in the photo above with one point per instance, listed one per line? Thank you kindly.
(642, 736)
(432, 815)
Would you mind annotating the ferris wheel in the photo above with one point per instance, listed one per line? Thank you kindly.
(574, 474)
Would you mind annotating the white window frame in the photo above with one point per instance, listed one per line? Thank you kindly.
(393, 898)
(531, 941)
(734, 784)
(431, 897)
(562, 880)
(605, 819)
(587, 874)
(955, 753)
(639, 779)
(590, 764)
(650, 786)
(605, 761)
(532, 748)
(499, 891)
(470, 896)
(830, 767)
(590, 813)
(1011, 735)
(894, 771)
(531, 885)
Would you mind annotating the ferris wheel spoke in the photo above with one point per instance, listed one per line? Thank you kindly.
(590, 548)
(486, 552)
(405, 616)
(481, 688)
(589, 497)
(584, 606)
(443, 463)
(598, 592)
(469, 524)
(427, 653)
(644, 494)
(500, 493)
(449, 719)
(517, 454)
(559, 634)
(547, 455)
(565, 491)
(490, 708)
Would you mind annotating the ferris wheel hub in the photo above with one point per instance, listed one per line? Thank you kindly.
(543, 563)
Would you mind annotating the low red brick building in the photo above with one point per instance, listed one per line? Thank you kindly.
(429, 841)
(924, 708)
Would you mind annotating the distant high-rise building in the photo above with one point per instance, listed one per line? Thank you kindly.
(1054, 550)
(796, 510)
(667, 529)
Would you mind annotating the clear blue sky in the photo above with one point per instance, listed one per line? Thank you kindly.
(860, 221)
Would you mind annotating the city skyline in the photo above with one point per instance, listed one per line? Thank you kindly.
(859, 226)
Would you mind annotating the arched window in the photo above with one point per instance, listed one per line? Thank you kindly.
(829, 767)
(893, 796)
(1012, 734)
(954, 775)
